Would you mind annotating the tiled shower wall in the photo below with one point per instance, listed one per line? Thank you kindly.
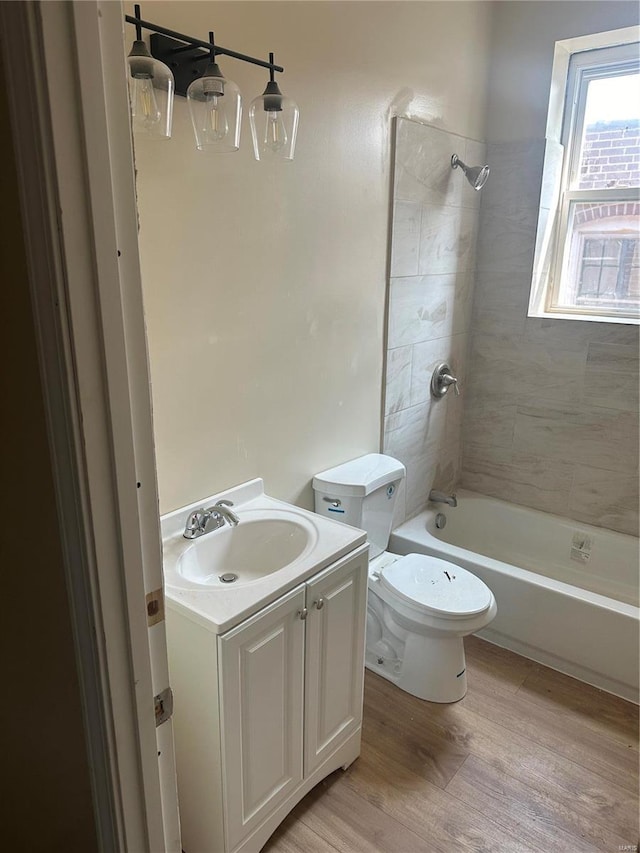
(433, 245)
(551, 407)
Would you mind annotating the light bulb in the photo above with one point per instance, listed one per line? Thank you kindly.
(274, 122)
(216, 124)
(151, 86)
(216, 111)
(144, 106)
(275, 136)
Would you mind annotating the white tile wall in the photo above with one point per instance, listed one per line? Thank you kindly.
(422, 308)
(551, 412)
(405, 246)
(433, 246)
(548, 416)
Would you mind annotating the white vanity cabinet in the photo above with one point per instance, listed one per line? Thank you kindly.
(334, 662)
(261, 679)
(267, 709)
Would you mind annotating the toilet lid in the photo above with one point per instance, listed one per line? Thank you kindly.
(429, 583)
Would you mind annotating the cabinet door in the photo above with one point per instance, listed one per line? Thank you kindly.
(262, 685)
(337, 602)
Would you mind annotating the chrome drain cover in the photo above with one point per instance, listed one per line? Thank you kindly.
(228, 577)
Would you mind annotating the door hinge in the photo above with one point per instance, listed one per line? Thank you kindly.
(163, 704)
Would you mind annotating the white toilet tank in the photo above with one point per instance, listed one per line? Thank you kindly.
(361, 493)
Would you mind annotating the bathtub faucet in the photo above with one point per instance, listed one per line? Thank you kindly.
(440, 498)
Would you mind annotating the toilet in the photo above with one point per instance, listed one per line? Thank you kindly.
(419, 607)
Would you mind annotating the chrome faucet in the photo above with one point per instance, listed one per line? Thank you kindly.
(440, 498)
(202, 521)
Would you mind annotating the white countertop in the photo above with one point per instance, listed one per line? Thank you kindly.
(219, 608)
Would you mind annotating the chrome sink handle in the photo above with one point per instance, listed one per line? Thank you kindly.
(196, 523)
(221, 508)
(202, 521)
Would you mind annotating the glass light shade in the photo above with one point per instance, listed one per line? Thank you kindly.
(151, 88)
(274, 126)
(215, 106)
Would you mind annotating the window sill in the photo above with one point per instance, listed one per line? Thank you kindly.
(593, 318)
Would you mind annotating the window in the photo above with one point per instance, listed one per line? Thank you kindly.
(608, 273)
(594, 247)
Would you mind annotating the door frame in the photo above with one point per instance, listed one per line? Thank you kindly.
(64, 66)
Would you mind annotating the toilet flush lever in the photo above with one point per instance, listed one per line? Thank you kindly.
(333, 501)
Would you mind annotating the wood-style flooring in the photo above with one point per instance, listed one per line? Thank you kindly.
(529, 760)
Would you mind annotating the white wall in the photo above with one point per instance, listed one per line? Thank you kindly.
(265, 288)
(524, 37)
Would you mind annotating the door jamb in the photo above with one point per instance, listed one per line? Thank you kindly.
(100, 445)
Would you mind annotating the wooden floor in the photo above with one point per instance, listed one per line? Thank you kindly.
(529, 760)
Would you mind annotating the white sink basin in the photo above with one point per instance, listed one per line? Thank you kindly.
(274, 547)
(256, 547)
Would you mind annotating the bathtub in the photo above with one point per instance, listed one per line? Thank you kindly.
(567, 592)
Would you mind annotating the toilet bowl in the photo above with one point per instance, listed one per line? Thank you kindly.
(419, 610)
(419, 607)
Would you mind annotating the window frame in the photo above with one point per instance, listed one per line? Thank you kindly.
(585, 66)
(547, 230)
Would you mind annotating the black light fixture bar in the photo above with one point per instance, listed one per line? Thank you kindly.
(187, 62)
(189, 41)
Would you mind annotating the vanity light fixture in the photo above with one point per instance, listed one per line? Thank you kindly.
(476, 175)
(214, 101)
(216, 108)
(274, 122)
(151, 87)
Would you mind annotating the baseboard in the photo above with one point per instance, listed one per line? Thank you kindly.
(567, 667)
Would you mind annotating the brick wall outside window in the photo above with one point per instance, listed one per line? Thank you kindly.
(611, 156)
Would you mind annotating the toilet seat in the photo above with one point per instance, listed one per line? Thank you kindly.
(431, 585)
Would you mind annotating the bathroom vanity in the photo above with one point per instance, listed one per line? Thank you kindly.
(266, 671)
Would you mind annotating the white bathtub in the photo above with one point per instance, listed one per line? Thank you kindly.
(567, 592)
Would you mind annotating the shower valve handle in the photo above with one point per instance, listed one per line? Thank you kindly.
(451, 380)
(441, 380)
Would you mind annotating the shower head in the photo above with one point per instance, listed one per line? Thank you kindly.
(476, 175)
